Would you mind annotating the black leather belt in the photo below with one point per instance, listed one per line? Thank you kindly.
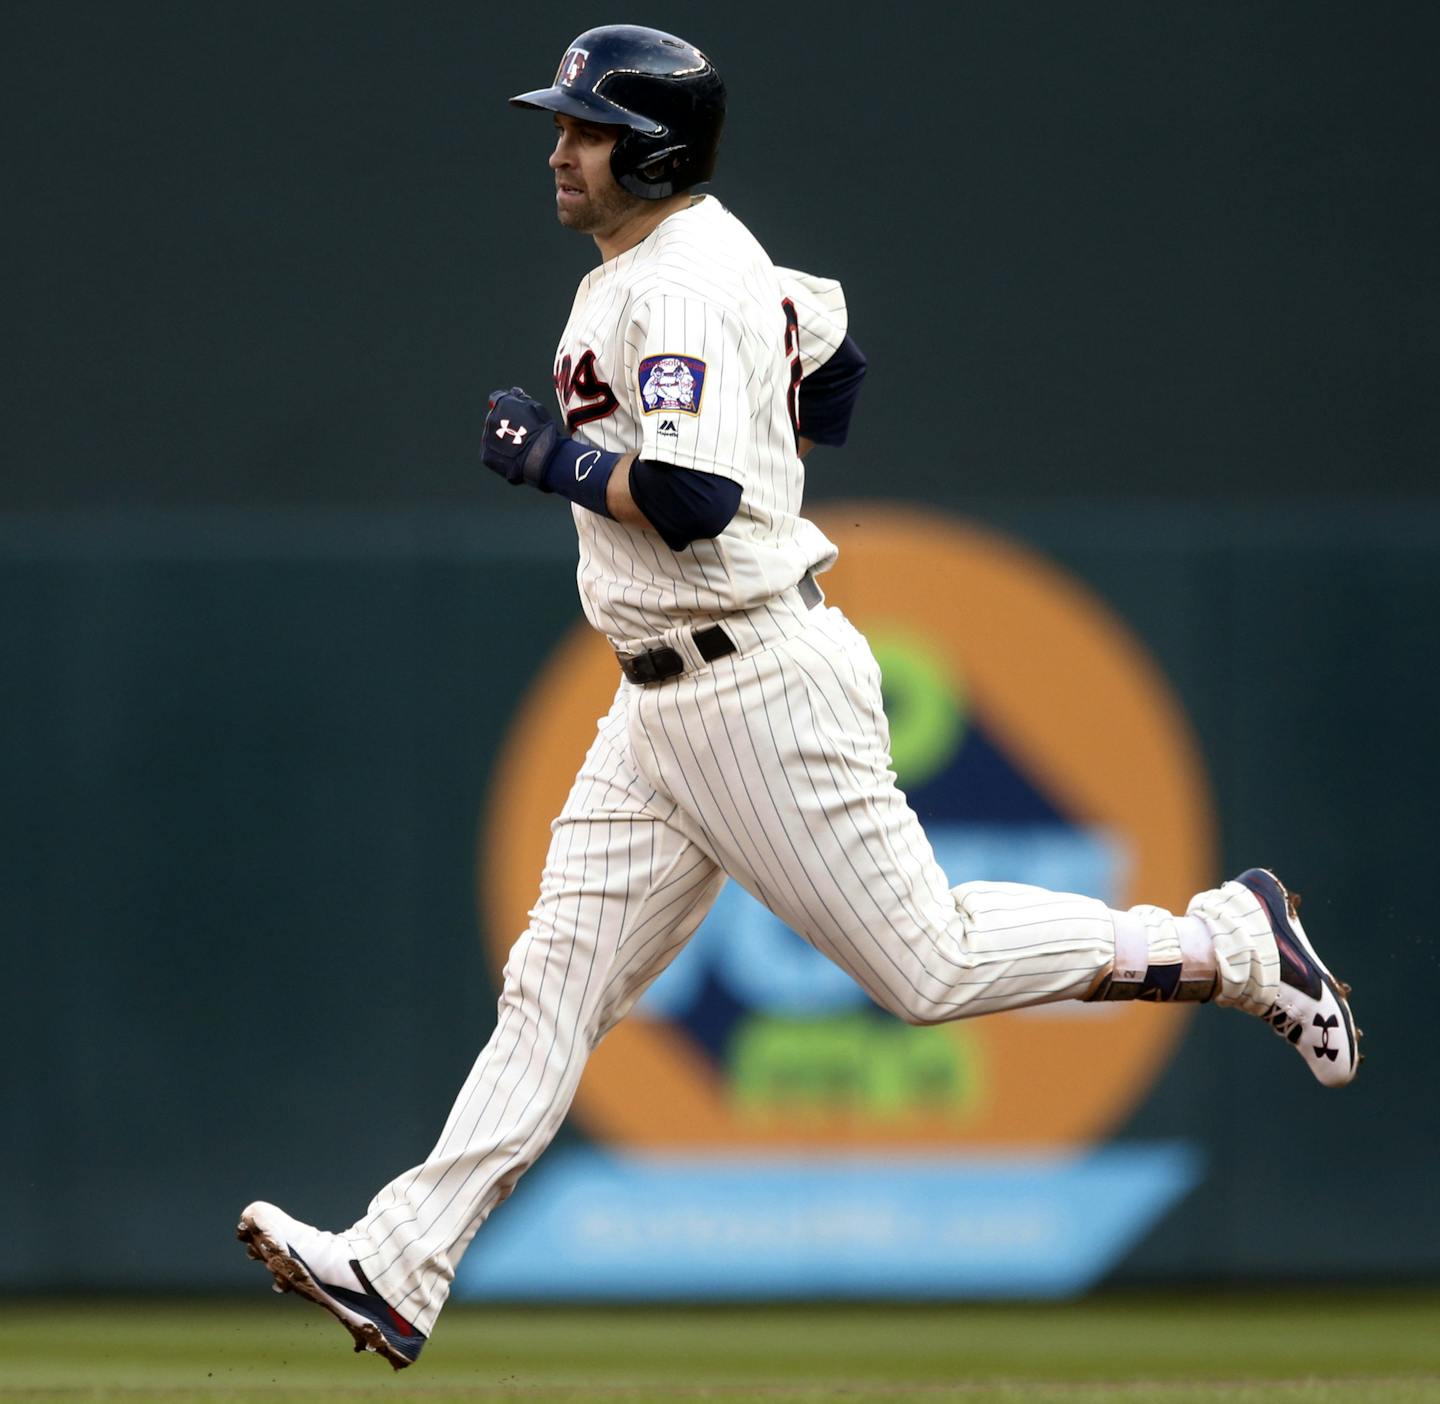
(711, 642)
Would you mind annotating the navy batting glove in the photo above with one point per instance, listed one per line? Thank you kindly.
(520, 438)
(524, 445)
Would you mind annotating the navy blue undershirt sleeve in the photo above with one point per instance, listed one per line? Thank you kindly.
(683, 504)
(827, 395)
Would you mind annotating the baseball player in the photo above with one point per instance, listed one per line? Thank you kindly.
(746, 738)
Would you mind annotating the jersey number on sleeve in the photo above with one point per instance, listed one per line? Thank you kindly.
(582, 383)
(792, 349)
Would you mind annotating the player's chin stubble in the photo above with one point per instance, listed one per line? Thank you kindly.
(598, 212)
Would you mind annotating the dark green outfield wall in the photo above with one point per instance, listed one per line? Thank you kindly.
(1152, 287)
(277, 252)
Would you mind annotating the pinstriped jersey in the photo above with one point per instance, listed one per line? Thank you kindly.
(688, 350)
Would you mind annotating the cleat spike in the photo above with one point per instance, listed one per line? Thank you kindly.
(270, 1236)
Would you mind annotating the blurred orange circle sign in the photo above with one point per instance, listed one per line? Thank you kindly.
(1003, 651)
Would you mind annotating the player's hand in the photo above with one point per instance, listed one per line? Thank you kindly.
(520, 437)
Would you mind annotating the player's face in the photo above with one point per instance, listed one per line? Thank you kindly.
(587, 197)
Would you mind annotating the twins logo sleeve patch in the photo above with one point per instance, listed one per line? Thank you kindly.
(671, 383)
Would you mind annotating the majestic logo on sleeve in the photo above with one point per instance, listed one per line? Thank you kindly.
(671, 383)
(571, 67)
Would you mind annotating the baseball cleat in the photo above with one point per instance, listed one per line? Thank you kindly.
(1312, 1009)
(318, 1265)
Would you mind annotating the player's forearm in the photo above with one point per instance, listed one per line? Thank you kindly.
(525, 446)
(618, 499)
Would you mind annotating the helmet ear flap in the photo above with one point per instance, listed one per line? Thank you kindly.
(648, 174)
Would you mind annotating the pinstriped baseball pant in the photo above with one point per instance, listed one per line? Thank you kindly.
(770, 766)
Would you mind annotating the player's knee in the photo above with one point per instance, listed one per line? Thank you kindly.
(926, 1012)
(920, 1007)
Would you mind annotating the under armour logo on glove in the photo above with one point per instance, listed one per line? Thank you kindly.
(524, 445)
(1325, 1024)
(520, 436)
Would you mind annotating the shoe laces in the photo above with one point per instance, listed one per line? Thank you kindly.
(1288, 1025)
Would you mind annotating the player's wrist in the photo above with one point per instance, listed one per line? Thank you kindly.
(579, 473)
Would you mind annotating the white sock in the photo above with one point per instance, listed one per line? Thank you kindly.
(1197, 949)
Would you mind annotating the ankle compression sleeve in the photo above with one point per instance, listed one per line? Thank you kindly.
(1158, 957)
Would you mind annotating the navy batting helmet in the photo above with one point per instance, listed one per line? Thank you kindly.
(665, 92)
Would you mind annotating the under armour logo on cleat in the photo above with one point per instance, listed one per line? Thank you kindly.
(506, 432)
(1325, 1024)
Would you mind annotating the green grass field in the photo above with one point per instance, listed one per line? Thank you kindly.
(1276, 1348)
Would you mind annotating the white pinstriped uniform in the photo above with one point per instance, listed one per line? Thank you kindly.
(700, 286)
(770, 765)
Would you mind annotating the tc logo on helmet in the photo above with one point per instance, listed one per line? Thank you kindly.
(571, 67)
